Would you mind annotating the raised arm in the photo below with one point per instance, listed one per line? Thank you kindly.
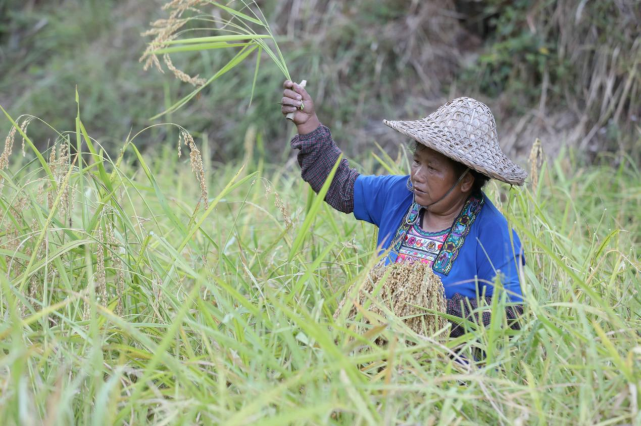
(318, 152)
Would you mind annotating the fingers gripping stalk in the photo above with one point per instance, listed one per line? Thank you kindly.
(297, 106)
(290, 115)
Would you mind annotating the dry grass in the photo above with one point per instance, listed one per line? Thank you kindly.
(8, 148)
(536, 161)
(165, 30)
(196, 161)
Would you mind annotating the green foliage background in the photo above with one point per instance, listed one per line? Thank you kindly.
(572, 66)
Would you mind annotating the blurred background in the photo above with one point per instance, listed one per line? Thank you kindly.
(566, 72)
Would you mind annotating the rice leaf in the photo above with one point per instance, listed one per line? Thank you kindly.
(106, 180)
(230, 186)
(251, 97)
(198, 47)
(280, 64)
(238, 14)
(221, 38)
(313, 211)
(236, 60)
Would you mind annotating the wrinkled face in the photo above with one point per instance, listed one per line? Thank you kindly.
(432, 175)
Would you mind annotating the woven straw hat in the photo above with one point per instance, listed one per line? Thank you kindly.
(465, 131)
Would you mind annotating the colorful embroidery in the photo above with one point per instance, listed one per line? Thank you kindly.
(409, 220)
(421, 246)
(455, 239)
(459, 231)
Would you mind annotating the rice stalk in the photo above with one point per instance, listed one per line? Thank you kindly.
(278, 202)
(536, 161)
(405, 290)
(240, 29)
(196, 161)
(100, 278)
(116, 249)
(8, 148)
(180, 75)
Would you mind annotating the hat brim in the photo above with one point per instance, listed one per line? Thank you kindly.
(491, 163)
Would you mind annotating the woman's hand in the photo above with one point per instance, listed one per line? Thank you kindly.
(295, 97)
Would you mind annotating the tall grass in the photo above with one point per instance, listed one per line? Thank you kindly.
(125, 301)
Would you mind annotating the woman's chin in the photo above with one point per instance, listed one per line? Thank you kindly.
(421, 199)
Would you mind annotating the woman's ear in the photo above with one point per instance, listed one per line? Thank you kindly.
(467, 182)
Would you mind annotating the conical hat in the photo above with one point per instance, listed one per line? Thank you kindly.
(465, 131)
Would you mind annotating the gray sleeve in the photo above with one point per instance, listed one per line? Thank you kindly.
(317, 156)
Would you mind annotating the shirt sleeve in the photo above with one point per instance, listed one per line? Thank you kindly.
(370, 197)
(499, 254)
(317, 156)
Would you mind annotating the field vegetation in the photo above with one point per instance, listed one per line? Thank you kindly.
(158, 273)
(131, 294)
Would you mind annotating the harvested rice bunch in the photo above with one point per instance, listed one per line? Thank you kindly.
(405, 289)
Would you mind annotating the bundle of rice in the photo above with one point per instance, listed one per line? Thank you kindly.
(406, 290)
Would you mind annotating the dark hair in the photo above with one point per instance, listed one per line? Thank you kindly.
(479, 178)
(459, 168)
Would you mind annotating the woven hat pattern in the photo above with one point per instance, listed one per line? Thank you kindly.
(465, 131)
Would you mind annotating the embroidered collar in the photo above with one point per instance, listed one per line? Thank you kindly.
(456, 237)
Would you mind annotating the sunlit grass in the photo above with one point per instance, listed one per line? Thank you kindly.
(133, 303)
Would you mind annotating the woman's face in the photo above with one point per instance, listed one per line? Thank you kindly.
(432, 175)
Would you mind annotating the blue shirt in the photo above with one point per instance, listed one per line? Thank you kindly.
(488, 248)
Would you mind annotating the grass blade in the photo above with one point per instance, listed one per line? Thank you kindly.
(198, 47)
(313, 211)
(246, 51)
(221, 38)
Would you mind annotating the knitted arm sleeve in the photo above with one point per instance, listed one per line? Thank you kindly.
(317, 156)
(463, 307)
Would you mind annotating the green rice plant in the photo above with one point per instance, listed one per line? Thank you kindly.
(141, 306)
(245, 31)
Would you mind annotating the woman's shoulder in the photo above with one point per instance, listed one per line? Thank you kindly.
(384, 180)
(491, 222)
(380, 199)
(391, 185)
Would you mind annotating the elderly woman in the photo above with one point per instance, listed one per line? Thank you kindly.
(438, 214)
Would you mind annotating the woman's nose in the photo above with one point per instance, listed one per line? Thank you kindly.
(418, 174)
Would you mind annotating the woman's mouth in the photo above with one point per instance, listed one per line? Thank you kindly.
(418, 191)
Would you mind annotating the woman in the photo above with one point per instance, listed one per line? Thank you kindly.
(438, 214)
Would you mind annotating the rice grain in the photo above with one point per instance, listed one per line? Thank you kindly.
(406, 290)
